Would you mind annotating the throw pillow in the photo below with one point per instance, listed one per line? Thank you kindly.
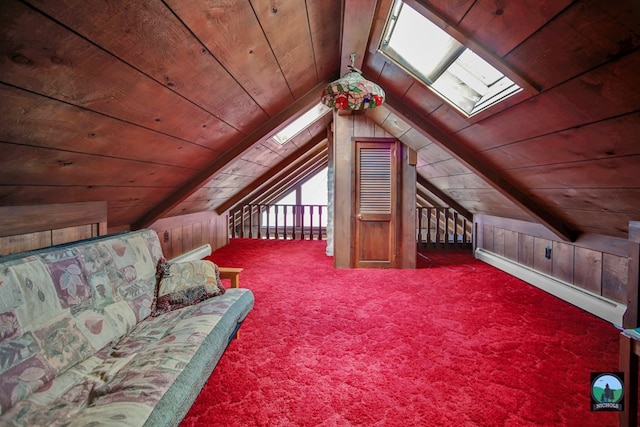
(186, 283)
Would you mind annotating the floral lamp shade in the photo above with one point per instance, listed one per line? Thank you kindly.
(352, 92)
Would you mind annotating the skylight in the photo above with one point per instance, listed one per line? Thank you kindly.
(453, 71)
(301, 123)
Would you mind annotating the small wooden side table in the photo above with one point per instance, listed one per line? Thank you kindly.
(232, 274)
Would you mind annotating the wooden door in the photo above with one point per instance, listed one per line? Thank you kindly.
(375, 204)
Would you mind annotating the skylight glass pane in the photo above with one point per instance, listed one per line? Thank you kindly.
(457, 74)
(479, 68)
(301, 123)
(422, 43)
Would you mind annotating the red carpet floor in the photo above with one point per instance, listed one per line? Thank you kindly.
(453, 343)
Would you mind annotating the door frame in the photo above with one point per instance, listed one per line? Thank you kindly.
(396, 179)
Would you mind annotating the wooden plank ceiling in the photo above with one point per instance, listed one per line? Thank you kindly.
(166, 107)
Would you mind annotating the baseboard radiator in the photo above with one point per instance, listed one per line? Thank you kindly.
(593, 303)
(197, 253)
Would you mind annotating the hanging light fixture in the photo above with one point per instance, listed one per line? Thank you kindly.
(352, 91)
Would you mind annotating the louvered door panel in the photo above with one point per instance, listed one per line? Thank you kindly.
(375, 204)
(375, 181)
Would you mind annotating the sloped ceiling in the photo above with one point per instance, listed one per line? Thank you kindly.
(166, 107)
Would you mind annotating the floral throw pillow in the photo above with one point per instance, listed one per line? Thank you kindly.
(186, 283)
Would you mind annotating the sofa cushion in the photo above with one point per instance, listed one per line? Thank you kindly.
(186, 283)
(150, 377)
(61, 305)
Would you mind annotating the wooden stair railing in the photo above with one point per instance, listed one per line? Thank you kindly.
(267, 221)
(442, 228)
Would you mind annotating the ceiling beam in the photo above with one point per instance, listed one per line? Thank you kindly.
(488, 174)
(294, 110)
(357, 19)
(304, 151)
(445, 198)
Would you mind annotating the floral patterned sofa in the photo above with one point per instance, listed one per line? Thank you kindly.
(89, 338)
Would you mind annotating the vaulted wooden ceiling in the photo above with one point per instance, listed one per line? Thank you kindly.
(166, 107)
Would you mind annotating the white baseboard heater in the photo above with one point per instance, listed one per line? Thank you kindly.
(197, 253)
(595, 304)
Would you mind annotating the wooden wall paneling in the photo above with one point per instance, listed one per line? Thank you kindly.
(588, 269)
(541, 263)
(626, 200)
(526, 250)
(176, 242)
(562, 256)
(492, 25)
(287, 29)
(407, 244)
(160, 45)
(604, 139)
(245, 54)
(198, 239)
(187, 238)
(85, 75)
(44, 122)
(343, 158)
(591, 30)
(511, 245)
(71, 234)
(64, 168)
(187, 232)
(16, 220)
(616, 172)
(422, 100)
(380, 132)
(363, 126)
(207, 233)
(25, 228)
(450, 167)
(600, 264)
(120, 217)
(487, 237)
(605, 222)
(498, 241)
(325, 43)
(447, 117)
(615, 273)
(602, 243)
(221, 231)
(395, 77)
(24, 242)
(123, 203)
(450, 11)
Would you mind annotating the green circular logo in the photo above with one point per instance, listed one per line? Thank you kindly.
(607, 388)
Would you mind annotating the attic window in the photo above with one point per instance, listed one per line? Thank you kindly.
(301, 123)
(451, 70)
